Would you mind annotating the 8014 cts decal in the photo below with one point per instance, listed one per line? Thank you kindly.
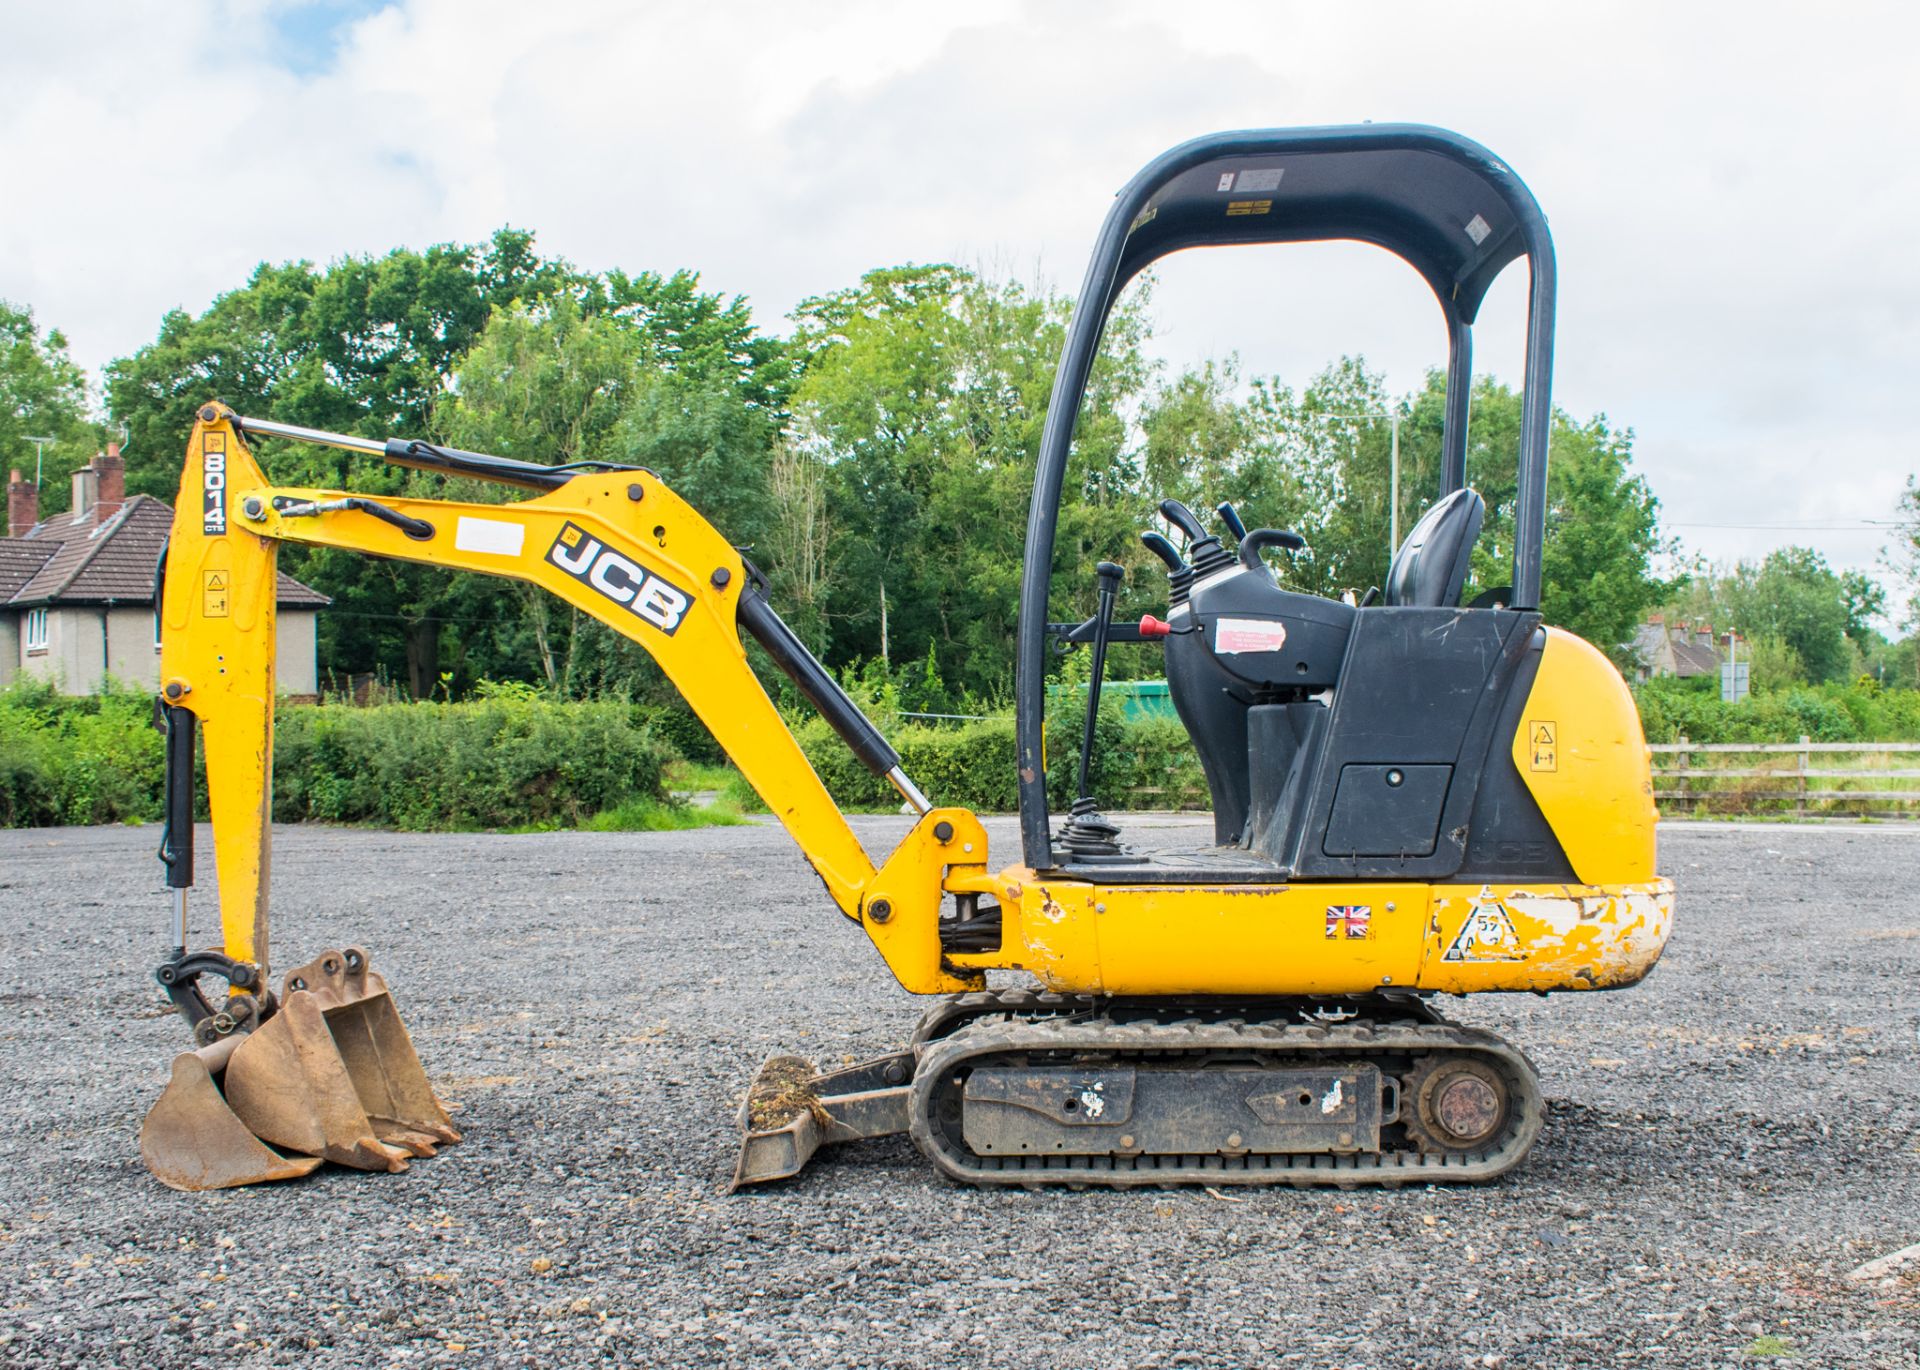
(619, 578)
(213, 485)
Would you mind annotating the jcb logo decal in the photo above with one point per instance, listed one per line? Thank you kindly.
(213, 484)
(619, 578)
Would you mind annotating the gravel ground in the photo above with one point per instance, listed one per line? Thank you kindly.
(1724, 1143)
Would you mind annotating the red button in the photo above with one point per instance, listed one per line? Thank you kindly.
(1153, 627)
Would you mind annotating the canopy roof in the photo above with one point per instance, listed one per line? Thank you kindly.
(1446, 205)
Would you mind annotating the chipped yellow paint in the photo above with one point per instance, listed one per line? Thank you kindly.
(1262, 939)
(1545, 937)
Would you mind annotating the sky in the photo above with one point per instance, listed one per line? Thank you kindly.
(1730, 186)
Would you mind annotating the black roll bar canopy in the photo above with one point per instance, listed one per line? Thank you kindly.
(1442, 203)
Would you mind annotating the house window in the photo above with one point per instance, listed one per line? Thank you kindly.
(36, 630)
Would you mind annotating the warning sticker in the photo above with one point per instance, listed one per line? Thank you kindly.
(1226, 181)
(1543, 746)
(1237, 208)
(1258, 179)
(1249, 635)
(1487, 935)
(1478, 229)
(213, 593)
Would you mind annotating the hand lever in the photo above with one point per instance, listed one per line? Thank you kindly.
(1157, 544)
(1231, 517)
(1110, 577)
(1253, 544)
(1183, 518)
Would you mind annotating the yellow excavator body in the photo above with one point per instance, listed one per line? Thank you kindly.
(1412, 798)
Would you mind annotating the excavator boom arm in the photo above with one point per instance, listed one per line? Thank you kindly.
(618, 545)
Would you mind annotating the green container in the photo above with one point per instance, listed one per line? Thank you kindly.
(1139, 699)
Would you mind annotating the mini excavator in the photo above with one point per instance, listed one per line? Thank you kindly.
(1412, 796)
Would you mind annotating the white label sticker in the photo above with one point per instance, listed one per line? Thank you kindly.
(1478, 229)
(495, 537)
(1226, 181)
(1249, 635)
(1261, 178)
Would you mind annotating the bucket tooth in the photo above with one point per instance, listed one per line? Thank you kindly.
(192, 1141)
(334, 1072)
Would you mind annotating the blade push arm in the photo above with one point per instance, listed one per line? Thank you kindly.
(619, 545)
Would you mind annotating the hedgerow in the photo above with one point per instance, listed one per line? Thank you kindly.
(496, 762)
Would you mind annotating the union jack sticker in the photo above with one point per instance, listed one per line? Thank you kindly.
(1349, 920)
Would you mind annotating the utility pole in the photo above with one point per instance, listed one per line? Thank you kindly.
(884, 657)
(1392, 416)
(40, 446)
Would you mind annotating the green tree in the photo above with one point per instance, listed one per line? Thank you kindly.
(365, 346)
(370, 346)
(553, 381)
(1865, 600)
(1320, 462)
(43, 394)
(923, 393)
(1793, 595)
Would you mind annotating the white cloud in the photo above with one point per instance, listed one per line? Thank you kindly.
(1726, 183)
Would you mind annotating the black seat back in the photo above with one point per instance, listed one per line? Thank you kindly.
(1430, 569)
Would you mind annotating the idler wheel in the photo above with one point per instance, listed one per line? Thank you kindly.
(1458, 1104)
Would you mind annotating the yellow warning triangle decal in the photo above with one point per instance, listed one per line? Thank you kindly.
(216, 581)
(1543, 732)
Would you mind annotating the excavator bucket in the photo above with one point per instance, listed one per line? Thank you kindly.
(192, 1141)
(332, 1075)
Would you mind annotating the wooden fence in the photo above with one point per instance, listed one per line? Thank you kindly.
(1804, 779)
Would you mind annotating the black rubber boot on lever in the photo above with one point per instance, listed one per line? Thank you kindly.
(1088, 836)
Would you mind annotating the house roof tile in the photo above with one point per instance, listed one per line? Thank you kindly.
(20, 561)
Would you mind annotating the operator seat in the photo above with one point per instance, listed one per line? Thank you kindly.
(1430, 569)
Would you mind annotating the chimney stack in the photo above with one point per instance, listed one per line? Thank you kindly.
(86, 488)
(113, 482)
(23, 505)
(1703, 636)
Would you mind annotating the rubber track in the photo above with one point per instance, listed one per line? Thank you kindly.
(984, 1038)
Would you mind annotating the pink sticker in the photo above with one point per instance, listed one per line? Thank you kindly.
(1249, 635)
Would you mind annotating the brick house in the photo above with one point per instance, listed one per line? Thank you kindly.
(1678, 649)
(76, 589)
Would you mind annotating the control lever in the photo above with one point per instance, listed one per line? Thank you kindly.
(1183, 518)
(1157, 544)
(1253, 544)
(1231, 517)
(1203, 547)
(1086, 833)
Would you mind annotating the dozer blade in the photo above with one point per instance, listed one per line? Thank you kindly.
(791, 1111)
(192, 1141)
(334, 1074)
